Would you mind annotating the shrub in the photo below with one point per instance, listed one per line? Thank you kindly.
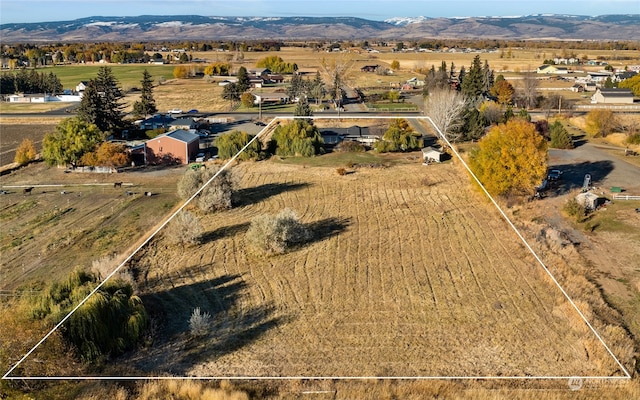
(275, 234)
(25, 153)
(350, 146)
(216, 196)
(231, 143)
(185, 229)
(575, 210)
(633, 139)
(341, 171)
(199, 323)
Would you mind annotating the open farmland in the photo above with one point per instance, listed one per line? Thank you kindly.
(70, 220)
(411, 273)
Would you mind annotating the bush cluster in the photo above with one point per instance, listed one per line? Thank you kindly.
(216, 196)
(275, 234)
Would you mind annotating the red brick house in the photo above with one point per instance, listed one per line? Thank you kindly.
(177, 146)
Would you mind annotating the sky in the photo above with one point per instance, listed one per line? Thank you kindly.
(17, 11)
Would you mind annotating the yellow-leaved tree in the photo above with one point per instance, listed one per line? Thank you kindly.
(26, 152)
(511, 159)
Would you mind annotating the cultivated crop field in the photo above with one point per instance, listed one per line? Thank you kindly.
(411, 273)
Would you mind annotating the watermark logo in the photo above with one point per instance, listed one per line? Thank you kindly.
(575, 383)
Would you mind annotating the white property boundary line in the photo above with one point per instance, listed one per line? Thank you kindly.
(280, 378)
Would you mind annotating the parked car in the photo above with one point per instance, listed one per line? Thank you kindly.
(175, 111)
(554, 175)
(200, 157)
(194, 111)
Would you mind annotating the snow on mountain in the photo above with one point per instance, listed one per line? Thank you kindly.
(404, 21)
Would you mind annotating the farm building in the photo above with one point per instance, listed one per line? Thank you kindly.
(590, 200)
(175, 146)
(429, 154)
(551, 69)
(612, 96)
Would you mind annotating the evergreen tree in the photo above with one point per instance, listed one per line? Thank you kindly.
(102, 102)
(317, 88)
(488, 77)
(474, 124)
(560, 138)
(474, 82)
(90, 107)
(303, 109)
(243, 80)
(147, 104)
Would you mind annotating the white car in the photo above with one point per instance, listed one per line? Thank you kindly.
(200, 157)
(175, 111)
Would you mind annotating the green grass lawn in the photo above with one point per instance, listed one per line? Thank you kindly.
(129, 75)
(392, 106)
(347, 159)
(616, 217)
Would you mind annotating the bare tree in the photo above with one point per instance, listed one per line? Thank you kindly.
(528, 89)
(446, 107)
(336, 73)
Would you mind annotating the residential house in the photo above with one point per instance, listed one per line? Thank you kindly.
(261, 72)
(598, 77)
(577, 88)
(177, 146)
(354, 133)
(280, 98)
(80, 87)
(156, 122)
(275, 78)
(369, 68)
(612, 96)
(620, 76)
(182, 123)
(551, 69)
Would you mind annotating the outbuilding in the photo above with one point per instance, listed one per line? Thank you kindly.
(429, 154)
(177, 146)
(590, 200)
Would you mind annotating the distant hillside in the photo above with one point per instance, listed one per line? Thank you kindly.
(195, 27)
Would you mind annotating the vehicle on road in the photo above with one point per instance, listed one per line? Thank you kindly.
(175, 111)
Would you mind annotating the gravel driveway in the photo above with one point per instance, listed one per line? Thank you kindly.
(605, 170)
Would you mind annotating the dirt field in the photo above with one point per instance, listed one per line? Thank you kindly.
(411, 274)
(46, 234)
(11, 135)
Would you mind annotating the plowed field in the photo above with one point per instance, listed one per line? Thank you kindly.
(411, 273)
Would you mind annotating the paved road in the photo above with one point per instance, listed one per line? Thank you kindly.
(605, 170)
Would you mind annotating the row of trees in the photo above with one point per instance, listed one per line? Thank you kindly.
(32, 81)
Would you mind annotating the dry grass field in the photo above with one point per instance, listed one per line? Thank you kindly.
(46, 234)
(411, 273)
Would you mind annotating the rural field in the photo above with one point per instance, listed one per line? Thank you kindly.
(410, 273)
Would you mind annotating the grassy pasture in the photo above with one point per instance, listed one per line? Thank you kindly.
(411, 274)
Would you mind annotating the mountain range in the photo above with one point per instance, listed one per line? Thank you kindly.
(195, 27)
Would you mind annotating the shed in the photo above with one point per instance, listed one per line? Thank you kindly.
(612, 96)
(590, 200)
(430, 154)
(175, 146)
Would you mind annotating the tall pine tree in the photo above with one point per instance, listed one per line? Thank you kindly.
(474, 82)
(102, 104)
(147, 104)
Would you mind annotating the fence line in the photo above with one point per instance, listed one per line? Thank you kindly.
(625, 197)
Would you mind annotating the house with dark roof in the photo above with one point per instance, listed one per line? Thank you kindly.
(182, 123)
(612, 96)
(173, 147)
(156, 122)
(369, 68)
